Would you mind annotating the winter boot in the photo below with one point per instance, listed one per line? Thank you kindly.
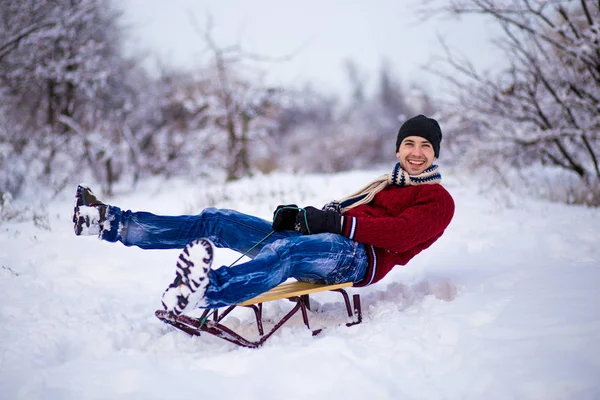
(187, 291)
(89, 213)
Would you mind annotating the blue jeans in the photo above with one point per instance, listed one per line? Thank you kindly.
(321, 258)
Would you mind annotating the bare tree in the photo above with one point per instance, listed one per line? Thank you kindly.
(60, 79)
(545, 106)
(357, 80)
(241, 106)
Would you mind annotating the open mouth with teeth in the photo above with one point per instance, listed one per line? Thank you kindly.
(416, 162)
(415, 166)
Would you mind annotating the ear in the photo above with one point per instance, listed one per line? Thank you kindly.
(398, 155)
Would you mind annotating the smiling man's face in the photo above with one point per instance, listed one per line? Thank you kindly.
(416, 154)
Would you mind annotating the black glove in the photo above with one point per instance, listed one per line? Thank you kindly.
(284, 217)
(312, 220)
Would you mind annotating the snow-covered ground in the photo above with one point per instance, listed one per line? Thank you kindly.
(505, 306)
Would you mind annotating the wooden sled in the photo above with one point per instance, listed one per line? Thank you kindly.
(297, 292)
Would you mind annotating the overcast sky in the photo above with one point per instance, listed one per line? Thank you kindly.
(320, 34)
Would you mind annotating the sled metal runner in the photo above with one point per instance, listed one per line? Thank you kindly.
(297, 292)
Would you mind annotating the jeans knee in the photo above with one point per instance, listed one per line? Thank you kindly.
(279, 247)
(214, 213)
(210, 212)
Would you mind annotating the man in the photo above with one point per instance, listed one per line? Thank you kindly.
(357, 239)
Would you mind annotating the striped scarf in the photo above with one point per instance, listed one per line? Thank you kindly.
(398, 177)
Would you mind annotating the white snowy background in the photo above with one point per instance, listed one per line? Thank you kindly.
(504, 306)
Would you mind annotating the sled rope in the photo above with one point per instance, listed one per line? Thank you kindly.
(203, 320)
(250, 249)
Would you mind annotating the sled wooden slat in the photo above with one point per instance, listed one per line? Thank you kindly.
(293, 289)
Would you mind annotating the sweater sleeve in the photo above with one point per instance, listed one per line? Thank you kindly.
(425, 219)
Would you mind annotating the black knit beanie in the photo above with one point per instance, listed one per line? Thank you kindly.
(424, 127)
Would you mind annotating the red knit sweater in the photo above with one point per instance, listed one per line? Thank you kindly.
(397, 224)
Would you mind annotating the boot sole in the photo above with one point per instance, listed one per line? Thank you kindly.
(188, 289)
